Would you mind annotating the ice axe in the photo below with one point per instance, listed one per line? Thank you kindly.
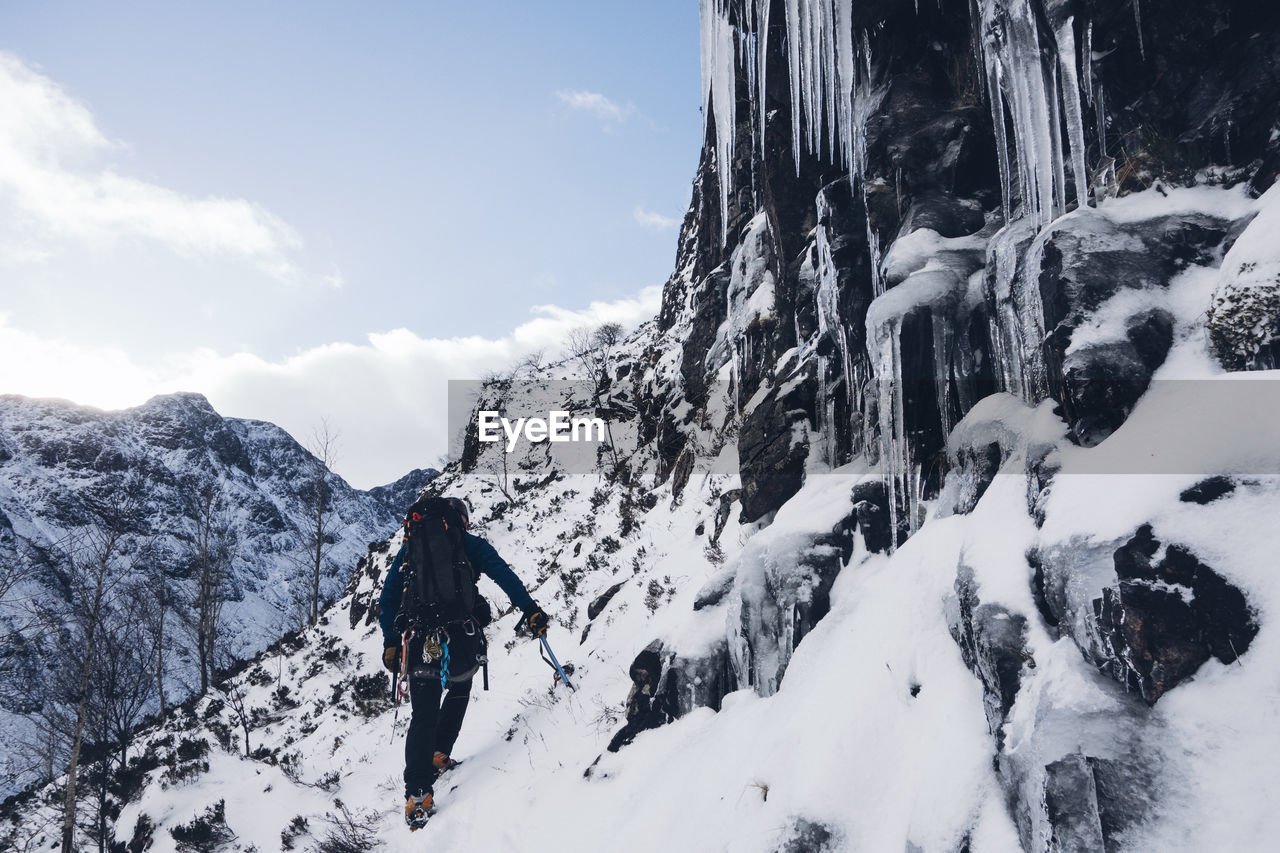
(550, 657)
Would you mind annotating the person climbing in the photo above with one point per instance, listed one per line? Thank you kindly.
(433, 618)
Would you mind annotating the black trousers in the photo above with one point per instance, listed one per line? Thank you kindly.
(433, 728)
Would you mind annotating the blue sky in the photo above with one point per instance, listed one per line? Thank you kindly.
(284, 205)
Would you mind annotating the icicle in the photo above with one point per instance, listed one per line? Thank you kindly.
(873, 246)
(793, 65)
(1137, 20)
(1037, 106)
(888, 376)
(1015, 256)
(1002, 258)
(975, 41)
(1071, 105)
(845, 75)
(830, 322)
(823, 60)
(831, 82)
(942, 353)
(1055, 136)
(1086, 59)
(762, 60)
(897, 191)
(1032, 101)
(1101, 113)
(718, 97)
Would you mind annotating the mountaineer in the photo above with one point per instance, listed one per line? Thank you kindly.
(433, 620)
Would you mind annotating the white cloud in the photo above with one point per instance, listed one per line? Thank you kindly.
(656, 221)
(56, 184)
(387, 397)
(608, 111)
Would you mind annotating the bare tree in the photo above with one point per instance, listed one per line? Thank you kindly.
(25, 621)
(214, 543)
(499, 469)
(233, 691)
(154, 600)
(533, 364)
(95, 572)
(580, 349)
(318, 533)
(592, 350)
(119, 686)
(13, 571)
(606, 338)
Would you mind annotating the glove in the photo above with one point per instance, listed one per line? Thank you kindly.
(391, 657)
(535, 621)
(481, 612)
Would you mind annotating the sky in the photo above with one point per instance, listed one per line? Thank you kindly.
(310, 210)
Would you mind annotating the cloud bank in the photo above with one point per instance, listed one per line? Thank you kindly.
(386, 397)
(57, 184)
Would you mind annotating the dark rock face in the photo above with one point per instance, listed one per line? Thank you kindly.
(773, 446)
(1150, 333)
(697, 680)
(1079, 312)
(871, 508)
(1199, 86)
(1146, 613)
(1100, 385)
(709, 305)
(680, 474)
(1071, 805)
(992, 641)
(976, 468)
(1167, 616)
(1089, 802)
(1087, 261)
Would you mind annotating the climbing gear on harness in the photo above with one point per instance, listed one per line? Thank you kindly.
(400, 681)
(431, 648)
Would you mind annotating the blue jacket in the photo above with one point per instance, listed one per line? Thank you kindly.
(482, 556)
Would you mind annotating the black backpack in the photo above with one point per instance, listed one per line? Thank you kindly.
(439, 580)
(439, 596)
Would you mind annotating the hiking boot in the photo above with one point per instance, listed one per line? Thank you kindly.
(417, 809)
(444, 762)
